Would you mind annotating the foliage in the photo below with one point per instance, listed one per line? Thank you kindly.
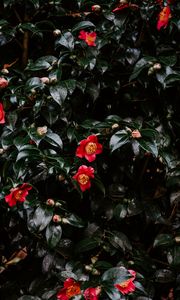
(89, 153)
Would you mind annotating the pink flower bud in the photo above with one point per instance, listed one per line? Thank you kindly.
(136, 134)
(3, 83)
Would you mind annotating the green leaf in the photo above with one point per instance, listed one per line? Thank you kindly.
(116, 275)
(42, 218)
(58, 92)
(120, 240)
(34, 82)
(142, 64)
(35, 3)
(70, 85)
(149, 146)
(119, 139)
(168, 60)
(28, 151)
(66, 40)
(53, 235)
(53, 139)
(163, 240)
(149, 133)
(75, 221)
(120, 211)
(82, 25)
(173, 256)
(26, 297)
(86, 245)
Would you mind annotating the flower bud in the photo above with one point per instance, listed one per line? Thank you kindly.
(50, 202)
(96, 8)
(60, 177)
(88, 268)
(4, 71)
(157, 66)
(115, 126)
(41, 130)
(150, 71)
(136, 134)
(57, 32)
(94, 259)
(177, 239)
(123, 2)
(95, 272)
(45, 80)
(1, 151)
(53, 79)
(3, 83)
(57, 218)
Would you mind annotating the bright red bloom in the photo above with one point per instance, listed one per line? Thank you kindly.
(18, 194)
(2, 114)
(120, 7)
(3, 83)
(128, 285)
(89, 147)
(163, 18)
(71, 288)
(92, 293)
(83, 176)
(89, 38)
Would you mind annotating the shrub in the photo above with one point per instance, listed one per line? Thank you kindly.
(89, 154)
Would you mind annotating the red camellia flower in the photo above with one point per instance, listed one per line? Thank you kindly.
(18, 194)
(121, 7)
(3, 83)
(92, 293)
(2, 114)
(163, 18)
(128, 285)
(89, 38)
(88, 148)
(71, 288)
(83, 176)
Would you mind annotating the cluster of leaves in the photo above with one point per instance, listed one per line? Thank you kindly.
(71, 69)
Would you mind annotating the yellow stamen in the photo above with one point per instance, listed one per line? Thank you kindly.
(91, 148)
(83, 179)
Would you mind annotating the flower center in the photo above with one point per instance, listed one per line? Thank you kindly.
(124, 284)
(91, 148)
(83, 179)
(18, 195)
(72, 291)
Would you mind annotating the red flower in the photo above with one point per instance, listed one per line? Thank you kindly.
(18, 194)
(92, 293)
(3, 83)
(2, 114)
(127, 286)
(89, 38)
(120, 7)
(88, 148)
(163, 18)
(83, 176)
(71, 288)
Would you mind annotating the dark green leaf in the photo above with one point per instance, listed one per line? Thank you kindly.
(42, 218)
(119, 139)
(58, 92)
(82, 25)
(86, 245)
(53, 235)
(163, 240)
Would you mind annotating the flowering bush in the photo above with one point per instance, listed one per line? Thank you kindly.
(89, 150)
